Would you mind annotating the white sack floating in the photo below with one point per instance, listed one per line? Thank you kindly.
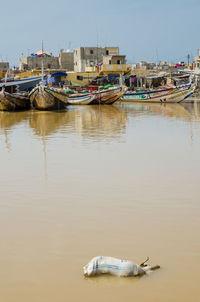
(113, 266)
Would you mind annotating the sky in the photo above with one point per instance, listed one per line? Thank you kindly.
(150, 30)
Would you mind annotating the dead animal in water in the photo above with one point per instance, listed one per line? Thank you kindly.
(113, 266)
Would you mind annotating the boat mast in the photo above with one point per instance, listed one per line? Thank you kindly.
(42, 63)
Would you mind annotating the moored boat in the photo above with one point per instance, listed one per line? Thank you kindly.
(173, 96)
(80, 99)
(74, 99)
(109, 96)
(43, 99)
(5, 104)
(20, 101)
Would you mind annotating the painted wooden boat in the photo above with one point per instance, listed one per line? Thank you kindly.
(73, 99)
(20, 101)
(145, 95)
(59, 94)
(177, 96)
(117, 96)
(42, 98)
(109, 96)
(80, 99)
(5, 104)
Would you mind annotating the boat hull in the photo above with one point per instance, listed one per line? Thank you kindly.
(109, 96)
(21, 102)
(80, 99)
(42, 99)
(176, 96)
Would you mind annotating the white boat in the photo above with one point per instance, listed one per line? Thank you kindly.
(80, 99)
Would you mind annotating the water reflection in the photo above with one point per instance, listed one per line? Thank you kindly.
(185, 111)
(93, 122)
(97, 122)
(8, 121)
(45, 123)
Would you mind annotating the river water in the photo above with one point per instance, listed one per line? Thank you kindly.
(121, 181)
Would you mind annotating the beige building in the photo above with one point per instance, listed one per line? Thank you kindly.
(197, 60)
(114, 59)
(4, 66)
(91, 56)
(30, 63)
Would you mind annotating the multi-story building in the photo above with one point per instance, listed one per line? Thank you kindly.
(91, 56)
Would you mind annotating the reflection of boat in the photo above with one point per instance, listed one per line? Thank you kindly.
(10, 119)
(181, 111)
(43, 99)
(93, 121)
(45, 123)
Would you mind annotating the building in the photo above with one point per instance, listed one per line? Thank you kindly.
(197, 60)
(91, 56)
(66, 60)
(4, 66)
(146, 65)
(33, 62)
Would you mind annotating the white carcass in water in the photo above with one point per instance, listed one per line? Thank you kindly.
(122, 268)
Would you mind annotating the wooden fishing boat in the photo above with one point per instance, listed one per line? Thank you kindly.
(73, 99)
(109, 96)
(20, 101)
(146, 95)
(117, 96)
(59, 94)
(42, 98)
(80, 99)
(13, 101)
(5, 104)
(176, 96)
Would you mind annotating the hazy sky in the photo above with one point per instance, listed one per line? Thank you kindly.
(143, 29)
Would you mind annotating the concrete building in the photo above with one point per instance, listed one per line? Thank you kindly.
(30, 63)
(4, 66)
(91, 56)
(66, 60)
(197, 60)
(114, 59)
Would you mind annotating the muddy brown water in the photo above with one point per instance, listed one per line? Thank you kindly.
(121, 181)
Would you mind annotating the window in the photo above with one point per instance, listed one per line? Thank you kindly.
(118, 61)
(80, 78)
(91, 51)
(49, 66)
(107, 52)
(109, 61)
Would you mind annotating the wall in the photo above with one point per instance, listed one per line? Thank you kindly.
(36, 63)
(66, 61)
(114, 59)
(4, 66)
